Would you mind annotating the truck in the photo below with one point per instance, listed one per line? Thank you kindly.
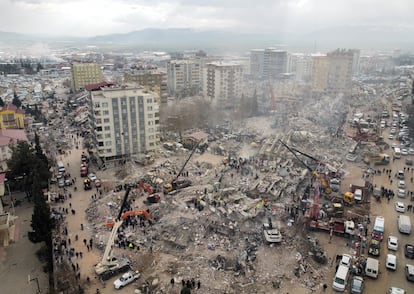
(358, 188)
(339, 226)
(380, 159)
(111, 265)
(379, 228)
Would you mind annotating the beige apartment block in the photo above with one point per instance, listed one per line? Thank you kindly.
(85, 74)
(126, 121)
(223, 83)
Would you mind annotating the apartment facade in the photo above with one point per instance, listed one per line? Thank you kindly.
(223, 83)
(125, 119)
(300, 65)
(184, 77)
(332, 73)
(85, 74)
(269, 63)
(151, 79)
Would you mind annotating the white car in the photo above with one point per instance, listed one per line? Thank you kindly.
(411, 151)
(393, 131)
(92, 177)
(391, 137)
(392, 243)
(404, 151)
(393, 145)
(399, 207)
(126, 279)
(401, 193)
(401, 184)
(346, 260)
(391, 262)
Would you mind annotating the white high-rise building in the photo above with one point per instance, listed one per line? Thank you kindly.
(184, 77)
(223, 83)
(126, 120)
(300, 65)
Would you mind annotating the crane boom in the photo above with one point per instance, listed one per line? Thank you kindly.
(118, 223)
(188, 159)
(297, 157)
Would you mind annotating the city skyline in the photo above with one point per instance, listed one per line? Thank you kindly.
(99, 17)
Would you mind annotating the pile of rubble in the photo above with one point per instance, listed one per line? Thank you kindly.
(212, 230)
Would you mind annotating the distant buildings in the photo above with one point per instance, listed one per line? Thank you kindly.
(332, 73)
(151, 79)
(269, 63)
(85, 74)
(11, 117)
(223, 83)
(184, 77)
(125, 119)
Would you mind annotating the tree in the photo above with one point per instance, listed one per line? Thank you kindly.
(1, 102)
(39, 67)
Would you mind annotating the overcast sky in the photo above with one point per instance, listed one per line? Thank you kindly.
(99, 17)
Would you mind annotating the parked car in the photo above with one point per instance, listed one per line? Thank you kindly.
(346, 260)
(374, 247)
(409, 272)
(357, 285)
(396, 290)
(391, 262)
(409, 251)
(401, 193)
(401, 184)
(404, 151)
(126, 279)
(399, 207)
(61, 183)
(393, 243)
(92, 177)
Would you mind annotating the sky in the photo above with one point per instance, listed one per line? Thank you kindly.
(99, 17)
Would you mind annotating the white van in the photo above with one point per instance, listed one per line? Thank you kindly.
(341, 278)
(358, 195)
(404, 224)
(371, 268)
(391, 262)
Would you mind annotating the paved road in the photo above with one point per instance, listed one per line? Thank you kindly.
(18, 260)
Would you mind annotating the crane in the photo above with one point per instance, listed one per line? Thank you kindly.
(175, 185)
(110, 223)
(110, 265)
(315, 206)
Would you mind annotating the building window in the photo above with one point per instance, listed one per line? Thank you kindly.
(107, 135)
(107, 128)
(151, 144)
(108, 143)
(106, 120)
(108, 150)
(150, 115)
(149, 100)
(149, 108)
(105, 112)
(104, 104)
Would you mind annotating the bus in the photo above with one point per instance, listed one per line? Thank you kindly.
(379, 228)
(397, 152)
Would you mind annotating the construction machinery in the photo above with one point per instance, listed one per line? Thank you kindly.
(110, 222)
(380, 159)
(177, 184)
(152, 196)
(321, 177)
(111, 265)
(87, 184)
